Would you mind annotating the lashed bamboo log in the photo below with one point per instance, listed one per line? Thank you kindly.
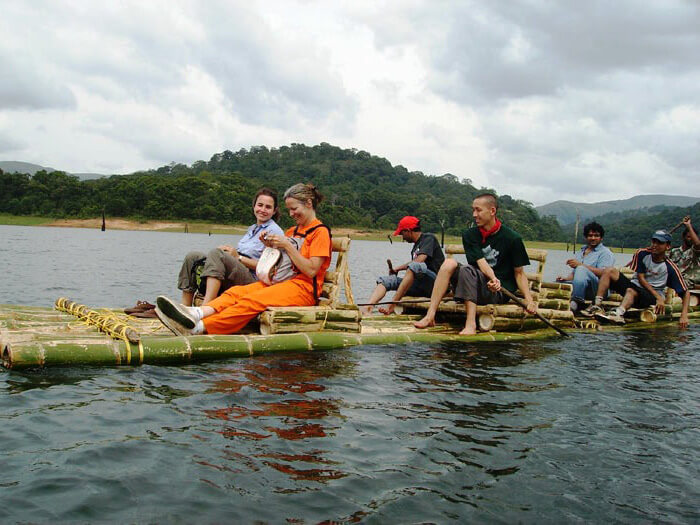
(557, 286)
(554, 304)
(318, 326)
(105, 322)
(308, 314)
(182, 350)
(512, 324)
(550, 293)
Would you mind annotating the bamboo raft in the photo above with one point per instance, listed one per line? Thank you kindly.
(72, 334)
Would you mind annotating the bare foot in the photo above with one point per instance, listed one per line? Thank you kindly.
(388, 310)
(366, 310)
(469, 330)
(425, 322)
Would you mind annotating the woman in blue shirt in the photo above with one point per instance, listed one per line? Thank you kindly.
(226, 266)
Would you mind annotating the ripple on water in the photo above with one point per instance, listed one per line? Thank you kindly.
(596, 428)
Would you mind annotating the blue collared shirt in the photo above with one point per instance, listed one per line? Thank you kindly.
(599, 257)
(250, 244)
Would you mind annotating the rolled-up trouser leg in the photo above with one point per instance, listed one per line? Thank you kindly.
(424, 279)
(471, 286)
(186, 280)
(390, 282)
(227, 269)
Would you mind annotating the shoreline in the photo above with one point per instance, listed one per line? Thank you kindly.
(117, 223)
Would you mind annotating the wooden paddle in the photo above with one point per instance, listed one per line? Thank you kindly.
(391, 267)
(537, 314)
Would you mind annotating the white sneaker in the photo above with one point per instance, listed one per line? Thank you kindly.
(178, 318)
(613, 316)
(592, 311)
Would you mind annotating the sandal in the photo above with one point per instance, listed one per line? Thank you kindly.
(141, 306)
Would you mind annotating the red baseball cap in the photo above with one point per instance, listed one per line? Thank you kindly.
(409, 222)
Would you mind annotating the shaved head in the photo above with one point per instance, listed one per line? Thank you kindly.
(489, 199)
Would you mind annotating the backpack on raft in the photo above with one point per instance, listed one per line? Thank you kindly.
(197, 269)
(275, 266)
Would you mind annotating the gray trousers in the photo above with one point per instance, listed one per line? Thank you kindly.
(219, 265)
(469, 284)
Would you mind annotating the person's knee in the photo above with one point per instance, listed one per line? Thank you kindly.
(582, 274)
(612, 273)
(418, 268)
(449, 266)
(191, 257)
(214, 253)
(389, 282)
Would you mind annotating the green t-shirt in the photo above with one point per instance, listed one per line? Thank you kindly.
(503, 251)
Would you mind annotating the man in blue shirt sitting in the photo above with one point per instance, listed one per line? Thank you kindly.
(654, 273)
(588, 266)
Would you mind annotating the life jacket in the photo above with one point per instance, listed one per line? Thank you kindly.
(275, 266)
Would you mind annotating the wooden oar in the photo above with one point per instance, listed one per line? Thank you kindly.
(539, 316)
(678, 225)
(391, 267)
(407, 301)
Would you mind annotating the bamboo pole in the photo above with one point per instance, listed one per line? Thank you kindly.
(182, 350)
(513, 324)
(308, 315)
(557, 286)
(549, 293)
(554, 304)
(318, 326)
(24, 349)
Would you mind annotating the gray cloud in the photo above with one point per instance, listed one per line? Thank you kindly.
(266, 79)
(9, 144)
(576, 99)
(542, 100)
(269, 80)
(22, 87)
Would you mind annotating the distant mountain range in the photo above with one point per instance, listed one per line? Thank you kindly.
(14, 166)
(565, 211)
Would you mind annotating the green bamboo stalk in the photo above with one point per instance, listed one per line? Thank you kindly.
(554, 304)
(557, 286)
(308, 315)
(318, 326)
(549, 293)
(182, 350)
(45, 349)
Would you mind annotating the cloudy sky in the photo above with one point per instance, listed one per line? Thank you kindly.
(544, 100)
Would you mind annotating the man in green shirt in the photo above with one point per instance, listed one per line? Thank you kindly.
(496, 258)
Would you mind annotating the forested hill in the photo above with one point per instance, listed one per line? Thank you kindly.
(566, 211)
(361, 190)
(633, 228)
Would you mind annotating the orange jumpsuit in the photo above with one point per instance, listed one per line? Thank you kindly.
(239, 304)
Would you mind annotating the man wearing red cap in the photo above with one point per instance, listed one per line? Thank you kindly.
(496, 258)
(426, 258)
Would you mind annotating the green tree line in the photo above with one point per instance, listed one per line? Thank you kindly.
(633, 228)
(361, 191)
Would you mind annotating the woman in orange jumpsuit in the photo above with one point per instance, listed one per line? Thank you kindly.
(232, 310)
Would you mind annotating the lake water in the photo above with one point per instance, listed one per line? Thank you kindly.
(601, 427)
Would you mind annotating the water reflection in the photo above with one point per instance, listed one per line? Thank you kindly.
(24, 381)
(298, 417)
